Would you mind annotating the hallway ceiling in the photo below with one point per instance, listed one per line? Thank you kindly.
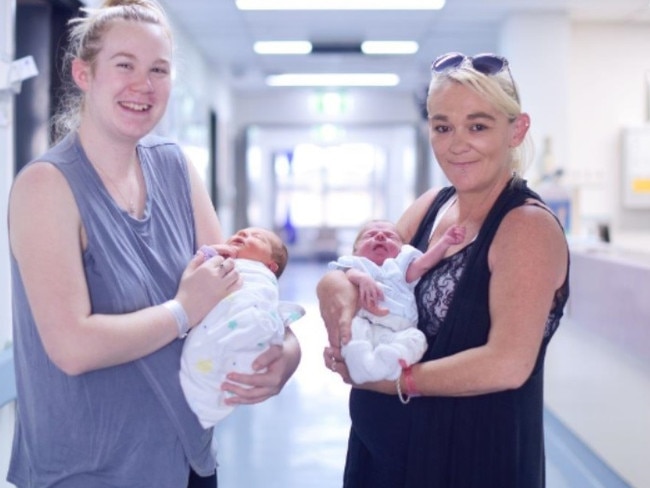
(226, 35)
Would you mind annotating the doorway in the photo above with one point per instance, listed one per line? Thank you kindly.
(316, 191)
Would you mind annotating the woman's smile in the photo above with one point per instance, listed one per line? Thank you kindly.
(136, 107)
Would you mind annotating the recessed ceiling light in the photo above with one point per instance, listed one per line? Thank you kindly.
(282, 47)
(333, 79)
(340, 4)
(389, 47)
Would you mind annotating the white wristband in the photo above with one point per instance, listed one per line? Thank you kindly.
(182, 321)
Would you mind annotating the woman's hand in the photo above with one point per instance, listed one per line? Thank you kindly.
(335, 362)
(272, 369)
(204, 283)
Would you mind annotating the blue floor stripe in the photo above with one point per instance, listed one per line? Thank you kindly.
(573, 463)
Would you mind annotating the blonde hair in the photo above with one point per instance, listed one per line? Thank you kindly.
(500, 91)
(85, 40)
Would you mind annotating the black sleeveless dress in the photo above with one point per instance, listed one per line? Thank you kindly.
(494, 440)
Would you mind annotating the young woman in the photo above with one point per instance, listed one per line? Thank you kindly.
(488, 309)
(101, 229)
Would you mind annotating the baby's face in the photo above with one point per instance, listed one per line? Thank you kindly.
(254, 243)
(378, 241)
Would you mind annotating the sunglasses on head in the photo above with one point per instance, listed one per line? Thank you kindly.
(486, 63)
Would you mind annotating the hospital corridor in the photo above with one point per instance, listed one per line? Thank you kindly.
(180, 123)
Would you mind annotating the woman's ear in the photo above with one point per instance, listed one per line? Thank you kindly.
(521, 126)
(81, 73)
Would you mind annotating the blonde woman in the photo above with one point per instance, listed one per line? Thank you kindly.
(100, 316)
(488, 309)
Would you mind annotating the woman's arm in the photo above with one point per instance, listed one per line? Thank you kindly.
(454, 235)
(47, 240)
(338, 299)
(528, 261)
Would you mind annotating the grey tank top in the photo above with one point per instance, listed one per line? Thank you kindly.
(128, 425)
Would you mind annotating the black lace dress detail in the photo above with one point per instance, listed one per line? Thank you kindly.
(557, 310)
(436, 289)
(435, 292)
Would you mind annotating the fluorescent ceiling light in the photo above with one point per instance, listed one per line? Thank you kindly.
(389, 47)
(333, 79)
(340, 4)
(306, 47)
(282, 47)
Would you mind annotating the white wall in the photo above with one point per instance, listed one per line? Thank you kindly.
(7, 9)
(538, 48)
(608, 92)
(199, 88)
(6, 164)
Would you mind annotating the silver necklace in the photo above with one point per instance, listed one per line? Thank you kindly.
(129, 202)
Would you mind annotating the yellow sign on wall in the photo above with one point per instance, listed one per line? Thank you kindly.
(635, 172)
(641, 185)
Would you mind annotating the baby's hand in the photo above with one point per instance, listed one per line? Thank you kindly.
(455, 235)
(225, 250)
(208, 252)
(370, 293)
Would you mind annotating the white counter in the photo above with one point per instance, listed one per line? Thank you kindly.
(610, 296)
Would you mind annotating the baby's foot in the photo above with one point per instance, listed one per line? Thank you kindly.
(388, 357)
